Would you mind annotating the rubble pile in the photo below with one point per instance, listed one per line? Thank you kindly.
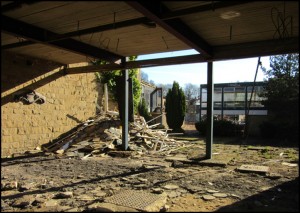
(102, 135)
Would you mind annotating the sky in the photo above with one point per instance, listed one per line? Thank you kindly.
(230, 71)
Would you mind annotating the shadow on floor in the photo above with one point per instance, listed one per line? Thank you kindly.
(282, 198)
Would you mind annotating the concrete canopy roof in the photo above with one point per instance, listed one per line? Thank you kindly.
(78, 31)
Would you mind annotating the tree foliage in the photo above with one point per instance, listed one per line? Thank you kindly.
(282, 96)
(143, 109)
(109, 77)
(165, 88)
(221, 128)
(144, 76)
(175, 107)
(191, 91)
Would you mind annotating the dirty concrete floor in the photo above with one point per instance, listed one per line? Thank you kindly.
(50, 183)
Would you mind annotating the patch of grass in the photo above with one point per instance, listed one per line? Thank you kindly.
(263, 151)
(267, 155)
(293, 157)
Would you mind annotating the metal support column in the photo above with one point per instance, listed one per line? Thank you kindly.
(200, 108)
(151, 101)
(125, 108)
(210, 110)
(222, 103)
(161, 100)
(161, 106)
(246, 101)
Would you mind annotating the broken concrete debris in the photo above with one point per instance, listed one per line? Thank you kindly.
(102, 135)
(254, 169)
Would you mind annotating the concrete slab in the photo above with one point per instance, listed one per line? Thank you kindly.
(208, 197)
(109, 207)
(180, 159)
(139, 200)
(214, 162)
(253, 168)
(259, 148)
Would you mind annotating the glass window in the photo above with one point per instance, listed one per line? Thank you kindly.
(240, 89)
(204, 95)
(228, 89)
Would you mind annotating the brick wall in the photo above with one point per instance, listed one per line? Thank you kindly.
(69, 100)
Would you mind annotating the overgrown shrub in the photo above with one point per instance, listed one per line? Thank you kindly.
(110, 78)
(143, 109)
(267, 130)
(220, 128)
(281, 131)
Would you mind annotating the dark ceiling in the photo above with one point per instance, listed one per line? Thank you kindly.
(81, 31)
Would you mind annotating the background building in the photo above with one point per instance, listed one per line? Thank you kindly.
(233, 101)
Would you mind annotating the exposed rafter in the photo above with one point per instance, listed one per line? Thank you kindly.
(18, 44)
(254, 49)
(166, 15)
(41, 35)
(138, 64)
(153, 10)
(132, 22)
(59, 37)
(257, 48)
(202, 8)
(15, 5)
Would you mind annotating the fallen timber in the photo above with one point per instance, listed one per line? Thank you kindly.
(102, 135)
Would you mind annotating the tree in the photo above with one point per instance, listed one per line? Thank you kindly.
(144, 76)
(165, 88)
(191, 91)
(152, 82)
(109, 77)
(175, 107)
(282, 96)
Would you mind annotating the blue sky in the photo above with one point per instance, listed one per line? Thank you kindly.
(224, 71)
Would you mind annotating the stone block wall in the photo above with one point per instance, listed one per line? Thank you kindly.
(70, 99)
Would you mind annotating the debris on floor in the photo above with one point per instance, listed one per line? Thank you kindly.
(102, 135)
(254, 168)
(138, 199)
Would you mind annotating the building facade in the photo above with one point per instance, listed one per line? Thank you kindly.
(239, 102)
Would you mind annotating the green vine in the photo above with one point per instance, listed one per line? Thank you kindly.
(109, 77)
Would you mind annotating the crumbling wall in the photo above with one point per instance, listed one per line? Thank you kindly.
(70, 100)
